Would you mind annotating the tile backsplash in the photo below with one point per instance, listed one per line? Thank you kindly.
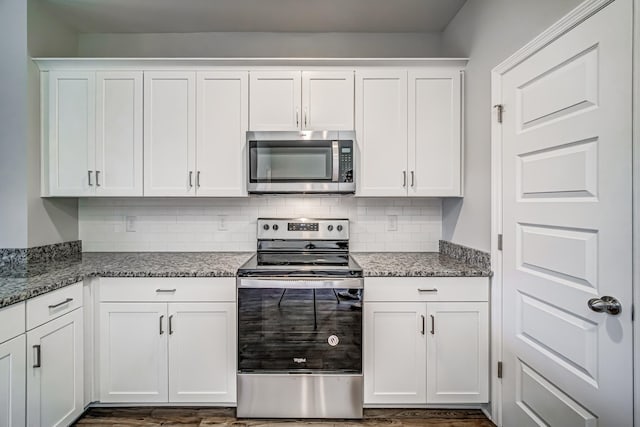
(115, 225)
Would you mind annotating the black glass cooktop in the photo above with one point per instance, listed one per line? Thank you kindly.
(301, 264)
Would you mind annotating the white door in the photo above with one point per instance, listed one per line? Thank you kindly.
(118, 170)
(327, 100)
(566, 141)
(274, 100)
(12, 377)
(202, 352)
(381, 132)
(434, 133)
(169, 133)
(221, 135)
(71, 133)
(133, 352)
(55, 375)
(395, 353)
(457, 352)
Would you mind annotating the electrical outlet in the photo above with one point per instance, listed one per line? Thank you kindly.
(392, 222)
(130, 222)
(222, 223)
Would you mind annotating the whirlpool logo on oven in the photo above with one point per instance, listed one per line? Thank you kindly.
(300, 359)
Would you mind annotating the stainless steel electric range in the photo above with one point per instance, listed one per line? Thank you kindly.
(300, 323)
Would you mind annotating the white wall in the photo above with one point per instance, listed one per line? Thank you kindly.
(194, 224)
(13, 124)
(304, 45)
(487, 32)
(49, 220)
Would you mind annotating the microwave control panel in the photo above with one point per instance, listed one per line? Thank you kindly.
(346, 161)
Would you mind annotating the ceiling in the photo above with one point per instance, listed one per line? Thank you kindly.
(186, 16)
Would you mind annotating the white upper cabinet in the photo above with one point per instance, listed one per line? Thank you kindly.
(71, 129)
(94, 133)
(381, 132)
(169, 133)
(118, 164)
(295, 100)
(435, 133)
(222, 123)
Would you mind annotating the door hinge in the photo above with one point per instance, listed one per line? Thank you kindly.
(499, 369)
(499, 242)
(500, 110)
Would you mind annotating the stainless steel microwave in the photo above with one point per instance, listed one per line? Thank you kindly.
(301, 162)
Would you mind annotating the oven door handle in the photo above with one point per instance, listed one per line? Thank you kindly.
(335, 145)
(284, 283)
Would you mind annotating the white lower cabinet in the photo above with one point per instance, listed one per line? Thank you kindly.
(55, 371)
(423, 343)
(12, 375)
(166, 351)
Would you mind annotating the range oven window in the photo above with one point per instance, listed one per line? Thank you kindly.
(279, 331)
(284, 161)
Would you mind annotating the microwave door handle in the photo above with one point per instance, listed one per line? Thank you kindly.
(336, 161)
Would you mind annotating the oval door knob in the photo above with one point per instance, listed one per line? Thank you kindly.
(605, 305)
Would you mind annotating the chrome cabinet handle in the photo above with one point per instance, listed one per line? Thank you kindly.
(423, 322)
(297, 117)
(427, 290)
(166, 290)
(171, 325)
(68, 300)
(97, 178)
(306, 114)
(190, 179)
(413, 178)
(404, 178)
(161, 330)
(605, 304)
(38, 356)
(198, 179)
(89, 174)
(433, 324)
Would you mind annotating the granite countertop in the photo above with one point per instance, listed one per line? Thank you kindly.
(415, 264)
(38, 279)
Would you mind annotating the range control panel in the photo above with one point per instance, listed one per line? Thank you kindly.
(303, 228)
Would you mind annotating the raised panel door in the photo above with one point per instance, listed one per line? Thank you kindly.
(221, 134)
(12, 378)
(119, 133)
(381, 129)
(457, 352)
(169, 133)
(55, 384)
(327, 100)
(274, 101)
(71, 133)
(133, 352)
(394, 353)
(435, 133)
(202, 352)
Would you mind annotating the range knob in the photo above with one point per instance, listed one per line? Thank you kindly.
(266, 226)
(339, 228)
(330, 228)
(275, 227)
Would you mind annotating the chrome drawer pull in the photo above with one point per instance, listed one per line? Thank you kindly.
(171, 325)
(433, 324)
(422, 316)
(67, 301)
(161, 330)
(427, 290)
(166, 290)
(37, 357)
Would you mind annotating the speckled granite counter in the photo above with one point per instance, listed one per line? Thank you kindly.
(39, 279)
(415, 264)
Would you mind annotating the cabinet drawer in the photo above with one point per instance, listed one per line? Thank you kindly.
(154, 289)
(53, 304)
(12, 321)
(426, 289)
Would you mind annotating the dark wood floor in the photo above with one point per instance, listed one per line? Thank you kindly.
(183, 417)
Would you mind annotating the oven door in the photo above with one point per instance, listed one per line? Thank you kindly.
(299, 326)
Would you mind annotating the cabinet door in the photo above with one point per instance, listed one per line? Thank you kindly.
(221, 136)
(435, 133)
(71, 133)
(327, 100)
(119, 133)
(458, 352)
(133, 352)
(55, 374)
(394, 353)
(169, 133)
(12, 378)
(202, 352)
(274, 102)
(381, 129)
